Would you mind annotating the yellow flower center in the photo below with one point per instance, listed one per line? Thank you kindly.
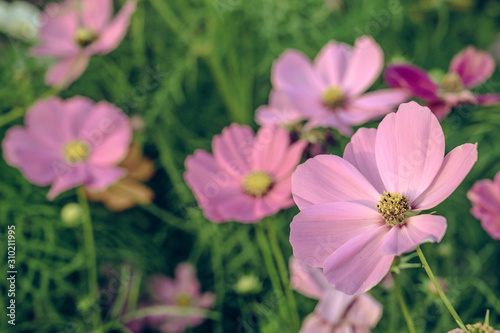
(257, 183)
(393, 206)
(84, 37)
(452, 83)
(76, 151)
(183, 301)
(333, 97)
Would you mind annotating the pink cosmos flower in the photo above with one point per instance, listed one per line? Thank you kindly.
(485, 198)
(69, 143)
(247, 177)
(360, 211)
(468, 69)
(183, 292)
(74, 30)
(329, 92)
(336, 311)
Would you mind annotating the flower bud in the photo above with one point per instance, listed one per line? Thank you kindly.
(71, 214)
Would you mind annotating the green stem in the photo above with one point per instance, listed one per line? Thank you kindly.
(404, 308)
(440, 291)
(282, 267)
(90, 255)
(218, 268)
(271, 269)
(11, 116)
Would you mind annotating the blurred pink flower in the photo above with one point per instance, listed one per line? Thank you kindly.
(74, 30)
(69, 143)
(485, 198)
(247, 177)
(468, 69)
(329, 92)
(336, 311)
(183, 292)
(360, 211)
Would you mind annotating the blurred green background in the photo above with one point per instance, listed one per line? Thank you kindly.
(190, 68)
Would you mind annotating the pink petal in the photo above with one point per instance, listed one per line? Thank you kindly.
(101, 177)
(488, 99)
(32, 157)
(162, 289)
(330, 119)
(365, 65)
(67, 70)
(414, 231)
(210, 183)
(307, 280)
(409, 150)
(440, 109)
(331, 62)
(332, 307)
(96, 13)
(270, 146)
(237, 206)
(329, 178)
(185, 277)
(280, 111)
(359, 264)
(114, 32)
(206, 301)
(455, 167)
(281, 193)
(360, 152)
(366, 312)
(318, 231)
(233, 149)
(412, 78)
(293, 72)
(373, 105)
(107, 129)
(266, 207)
(68, 178)
(473, 66)
(314, 323)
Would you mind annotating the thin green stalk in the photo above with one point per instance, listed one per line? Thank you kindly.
(404, 308)
(440, 291)
(283, 271)
(88, 238)
(218, 269)
(11, 116)
(271, 269)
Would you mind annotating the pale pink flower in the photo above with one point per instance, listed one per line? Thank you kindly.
(468, 69)
(360, 211)
(183, 292)
(336, 311)
(69, 143)
(248, 175)
(329, 92)
(74, 30)
(485, 198)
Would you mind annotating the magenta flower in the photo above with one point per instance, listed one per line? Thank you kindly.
(183, 292)
(247, 177)
(485, 198)
(468, 69)
(336, 311)
(74, 30)
(329, 92)
(69, 143)
(360, 211)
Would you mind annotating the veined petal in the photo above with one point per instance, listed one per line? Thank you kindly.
(365, 312)
(365, 65)
(332, 61)
(332, 307)
(319, 230)
(359, 264)
(409, 150)
(329, 178)
(414, 231)
(455, 167)
(307, 280)
(233, 149)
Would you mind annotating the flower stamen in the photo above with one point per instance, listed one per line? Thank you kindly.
(333, 97)
(84, 37)
(257, 183)
(76, 151)
(452, 83)
(184, 301)
(393, 207)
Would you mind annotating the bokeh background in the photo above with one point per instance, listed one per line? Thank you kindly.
(190, 68)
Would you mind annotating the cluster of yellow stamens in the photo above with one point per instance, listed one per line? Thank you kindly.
(333, 97)
(393, 206)
(257, 183)
(480, 328)
(76, 151)
(452, 83)
(183, 300)
(85, 37)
